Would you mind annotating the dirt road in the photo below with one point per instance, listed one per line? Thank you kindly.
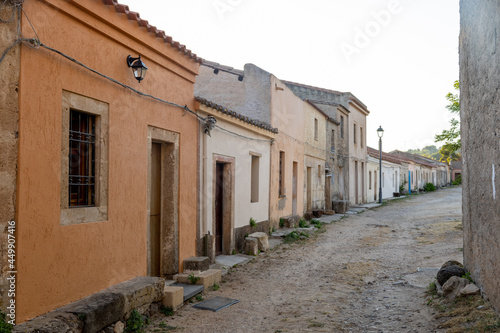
(365, 273)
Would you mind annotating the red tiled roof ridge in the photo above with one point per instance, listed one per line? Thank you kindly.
(134, 16)
(416, 158)
(236, 115)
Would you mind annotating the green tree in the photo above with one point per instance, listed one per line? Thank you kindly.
(451, 137)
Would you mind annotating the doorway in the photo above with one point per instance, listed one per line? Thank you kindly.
(356, 183)
(309, 189)
(162, 203)
(294, 188)
(223, 203)
(219, 207)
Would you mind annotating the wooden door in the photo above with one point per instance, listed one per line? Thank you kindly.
(219, 207)
(155, 211)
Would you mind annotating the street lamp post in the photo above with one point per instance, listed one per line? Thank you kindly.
(380, 133)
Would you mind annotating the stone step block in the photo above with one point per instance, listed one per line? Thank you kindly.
(206, 278)
(197, 264)
(251, 246)
(173, 297)
(262, 240)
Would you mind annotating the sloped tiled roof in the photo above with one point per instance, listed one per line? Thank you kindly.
(312, 87)
(385, 156)
(416, 158)
(335, 92)
(134, 16)
(311, 103)
(236, 115)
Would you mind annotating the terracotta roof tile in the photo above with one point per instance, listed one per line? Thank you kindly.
(385, 156)
(134, 16)
(236, 115)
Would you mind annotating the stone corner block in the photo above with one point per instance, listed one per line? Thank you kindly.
(173, 297)
(251, 246)
(197, 264)
(262, 239)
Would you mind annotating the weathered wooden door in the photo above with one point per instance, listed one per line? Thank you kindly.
(219, 207)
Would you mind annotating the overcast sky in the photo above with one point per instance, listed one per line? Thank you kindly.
(399, 57)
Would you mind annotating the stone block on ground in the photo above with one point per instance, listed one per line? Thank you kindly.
(290, 221)
(470, 289)
(308, 215)
(340, 206)
(140, 292)
(52, 322)
(209, 278)
(262, 240)
(454, 286)
(119, 327)
(251, 246)
(329, 212)
(173, 297)
(197, 264)
(447, 272)
(317, 213)
(98, 310)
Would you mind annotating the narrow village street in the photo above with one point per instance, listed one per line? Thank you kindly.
(365, 273)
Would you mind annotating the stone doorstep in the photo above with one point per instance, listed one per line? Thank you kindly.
(189, 290)
(197, 264)
(97, 311)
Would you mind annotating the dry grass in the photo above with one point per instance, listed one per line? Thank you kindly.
(439, 232)
(465, 314)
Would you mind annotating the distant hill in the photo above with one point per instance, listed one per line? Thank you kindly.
(438, 154)
(428, 151)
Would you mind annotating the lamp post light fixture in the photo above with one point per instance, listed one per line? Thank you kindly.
(138, 67)
(380, 133)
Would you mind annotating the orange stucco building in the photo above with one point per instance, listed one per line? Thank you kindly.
(106, 185)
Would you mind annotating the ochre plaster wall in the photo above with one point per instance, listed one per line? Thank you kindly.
(60, 264)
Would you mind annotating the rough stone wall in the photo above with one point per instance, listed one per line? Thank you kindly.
(480, 126)
(9, 118)
(250, 97)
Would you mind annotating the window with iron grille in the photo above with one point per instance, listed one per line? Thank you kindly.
(82, 146)
(281, 188)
